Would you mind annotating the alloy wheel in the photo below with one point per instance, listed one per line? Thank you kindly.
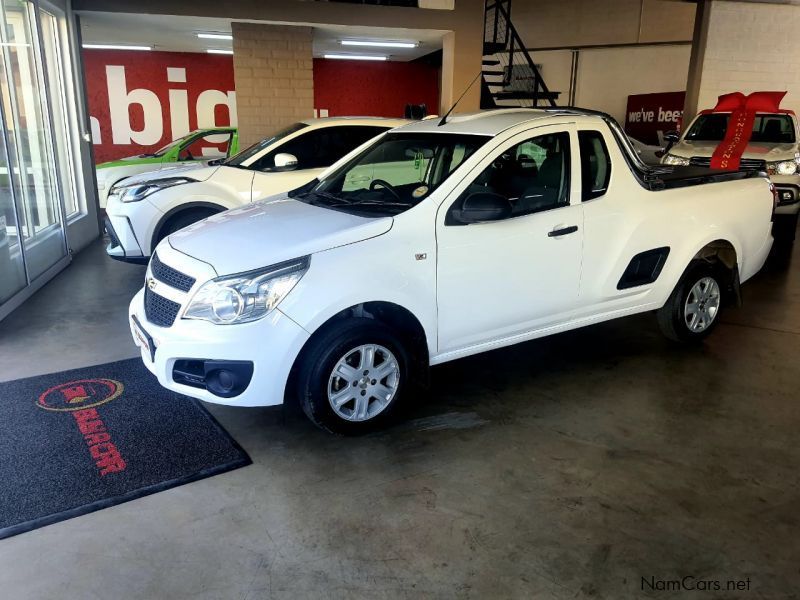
(702, 305)
(363, 382)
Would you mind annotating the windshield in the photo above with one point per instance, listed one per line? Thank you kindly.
(768, 128)
(395, 174)
(164, 149)
(248, 153)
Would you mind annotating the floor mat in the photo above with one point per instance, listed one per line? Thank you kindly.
(86, 439)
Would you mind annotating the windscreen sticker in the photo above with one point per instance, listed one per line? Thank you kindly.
(420, 191)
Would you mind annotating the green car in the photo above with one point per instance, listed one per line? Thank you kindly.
(201, 146)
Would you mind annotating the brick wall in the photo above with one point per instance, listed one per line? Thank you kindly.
(273, 72)
(751, 47)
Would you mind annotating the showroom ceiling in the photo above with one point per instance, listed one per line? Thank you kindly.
(179, 34)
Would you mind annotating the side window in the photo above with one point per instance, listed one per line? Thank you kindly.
(214, 145)
(533, 175)
(595, 165)
(322, 147)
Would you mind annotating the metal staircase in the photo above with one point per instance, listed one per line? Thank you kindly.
(509, 75)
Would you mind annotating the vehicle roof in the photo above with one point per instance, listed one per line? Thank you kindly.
(331, 121)
(780, 111)
(217, 128)
(491, 122)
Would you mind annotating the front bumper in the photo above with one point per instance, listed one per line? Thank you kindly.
(270, 344)
(127, 250)
(130, 227)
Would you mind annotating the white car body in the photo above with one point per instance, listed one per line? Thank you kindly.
(112, 173)
(135, 227)
(469, 288)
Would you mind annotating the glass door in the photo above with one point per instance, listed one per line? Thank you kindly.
(29, 134)
(12, 266)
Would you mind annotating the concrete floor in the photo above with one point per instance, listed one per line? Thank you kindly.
(570, 467)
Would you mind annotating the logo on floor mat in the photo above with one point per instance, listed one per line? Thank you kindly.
(81, 394)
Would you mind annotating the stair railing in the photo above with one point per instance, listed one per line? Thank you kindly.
(501, 30)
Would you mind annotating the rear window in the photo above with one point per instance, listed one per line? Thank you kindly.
(768, 128)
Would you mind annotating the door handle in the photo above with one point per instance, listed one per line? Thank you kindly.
(562, 231)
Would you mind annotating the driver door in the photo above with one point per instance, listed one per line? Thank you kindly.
(505, 278)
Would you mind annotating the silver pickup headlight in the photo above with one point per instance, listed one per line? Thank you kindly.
(247, 296)
(678, 161)
(782, 167)
(139, 191)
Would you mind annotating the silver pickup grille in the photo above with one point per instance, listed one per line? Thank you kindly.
(745, 163)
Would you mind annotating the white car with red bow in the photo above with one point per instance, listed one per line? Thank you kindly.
(774, 148)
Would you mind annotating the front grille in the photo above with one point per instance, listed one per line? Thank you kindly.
(745, 163)
(159, 310)
(170, 276)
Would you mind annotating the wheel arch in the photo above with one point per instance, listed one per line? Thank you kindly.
(181, 208)
(403, 321)
(723, 253)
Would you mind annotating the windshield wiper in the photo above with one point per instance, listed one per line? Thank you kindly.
(327, 196)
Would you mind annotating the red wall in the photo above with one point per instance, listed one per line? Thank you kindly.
(376, 89)
(148, 71)
(341, 87)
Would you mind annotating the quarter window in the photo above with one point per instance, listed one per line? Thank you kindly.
(533, 175)
(213, 145)
(595, 165)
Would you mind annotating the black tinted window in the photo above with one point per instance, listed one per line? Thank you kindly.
(320, 148)
(595, 164)
(533, 175)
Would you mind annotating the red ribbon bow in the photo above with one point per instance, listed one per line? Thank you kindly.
(743, 111)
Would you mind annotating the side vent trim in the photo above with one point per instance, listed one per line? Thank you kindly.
(644, 268)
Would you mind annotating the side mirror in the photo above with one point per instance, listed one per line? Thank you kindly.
(671, 138)
(480, 207)
(285, 162)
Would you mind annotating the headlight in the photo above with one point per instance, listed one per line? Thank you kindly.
(247, 296)
(140, 191)
(678, 161)
(784, 167)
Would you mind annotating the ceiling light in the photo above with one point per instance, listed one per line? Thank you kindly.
(215, 36)
(218, 51)
(355, 56)
(379, 44)
(115, 47)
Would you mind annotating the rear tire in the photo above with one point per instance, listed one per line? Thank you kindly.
(352, 377)
(692, 311)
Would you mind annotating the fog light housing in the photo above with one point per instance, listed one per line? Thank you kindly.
(223, 378)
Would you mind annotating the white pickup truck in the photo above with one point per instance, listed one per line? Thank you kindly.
(435, 242)
(774, 148)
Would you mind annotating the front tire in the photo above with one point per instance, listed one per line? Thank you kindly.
(352, 377)
(692, 311)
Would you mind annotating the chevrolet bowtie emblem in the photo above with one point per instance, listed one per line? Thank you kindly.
(151, 283)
